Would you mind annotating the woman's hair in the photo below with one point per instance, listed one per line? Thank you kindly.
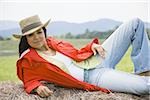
(23, 45)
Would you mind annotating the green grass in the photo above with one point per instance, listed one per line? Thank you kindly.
(126, 63)
(8, 63)
(8, 68)
(9, 45)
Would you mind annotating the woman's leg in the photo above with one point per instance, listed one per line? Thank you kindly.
(119, 81)
(117, 44)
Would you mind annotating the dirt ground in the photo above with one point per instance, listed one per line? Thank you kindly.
(14, 91)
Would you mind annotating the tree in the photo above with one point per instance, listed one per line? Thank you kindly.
(69, 35)
(1, 38)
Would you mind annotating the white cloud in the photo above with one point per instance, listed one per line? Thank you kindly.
(75, 11)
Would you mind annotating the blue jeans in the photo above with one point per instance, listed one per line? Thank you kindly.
(104, 75)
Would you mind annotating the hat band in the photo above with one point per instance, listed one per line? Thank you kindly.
(31, 26)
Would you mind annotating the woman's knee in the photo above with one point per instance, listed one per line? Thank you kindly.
(137, 22)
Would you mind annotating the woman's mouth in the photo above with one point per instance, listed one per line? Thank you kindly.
(36, 42)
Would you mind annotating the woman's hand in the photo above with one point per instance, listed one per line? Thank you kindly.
(43, 91)
(98, 48)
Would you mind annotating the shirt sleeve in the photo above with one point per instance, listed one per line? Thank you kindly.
(26, 75)
(69, 50)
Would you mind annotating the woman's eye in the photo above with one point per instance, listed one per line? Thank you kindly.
(30, 35)
(39, 32)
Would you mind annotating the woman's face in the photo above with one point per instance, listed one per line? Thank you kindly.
(37, 39)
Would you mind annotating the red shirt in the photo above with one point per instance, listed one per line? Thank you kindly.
(31, 68)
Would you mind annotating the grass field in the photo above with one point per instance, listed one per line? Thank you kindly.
(7, 68)
(8, 62)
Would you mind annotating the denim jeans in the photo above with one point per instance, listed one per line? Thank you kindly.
(104, 75)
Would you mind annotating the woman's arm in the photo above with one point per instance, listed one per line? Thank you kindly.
(24, 73)
(31, 84)
(97, 48)
(69, 50)
(43, 91)
(30, 81)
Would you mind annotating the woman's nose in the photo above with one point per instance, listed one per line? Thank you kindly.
(36, 36)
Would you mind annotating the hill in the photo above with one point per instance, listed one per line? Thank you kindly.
(62, 27)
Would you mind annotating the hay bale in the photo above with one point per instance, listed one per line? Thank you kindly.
(14, 91)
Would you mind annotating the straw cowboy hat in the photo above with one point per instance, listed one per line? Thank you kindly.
(30, 25)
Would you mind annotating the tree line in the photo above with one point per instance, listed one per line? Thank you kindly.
(91, 34)
(86, 35)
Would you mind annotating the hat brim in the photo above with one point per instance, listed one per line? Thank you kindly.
(31, 31)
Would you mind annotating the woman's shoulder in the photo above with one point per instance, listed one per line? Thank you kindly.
(52, 39)
(30, 54)
(27, 53)
(53, 42)
(24, 53)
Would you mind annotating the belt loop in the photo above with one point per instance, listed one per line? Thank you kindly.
(86, 75)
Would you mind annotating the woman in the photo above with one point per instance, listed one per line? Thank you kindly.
(90, 68)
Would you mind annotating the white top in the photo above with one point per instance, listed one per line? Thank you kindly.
(75, 71)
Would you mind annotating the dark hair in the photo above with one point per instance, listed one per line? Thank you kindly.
(23, 45)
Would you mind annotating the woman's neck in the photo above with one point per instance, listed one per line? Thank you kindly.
(43, 48)
(46, 51)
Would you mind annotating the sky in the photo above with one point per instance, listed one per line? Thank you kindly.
(77, 11)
